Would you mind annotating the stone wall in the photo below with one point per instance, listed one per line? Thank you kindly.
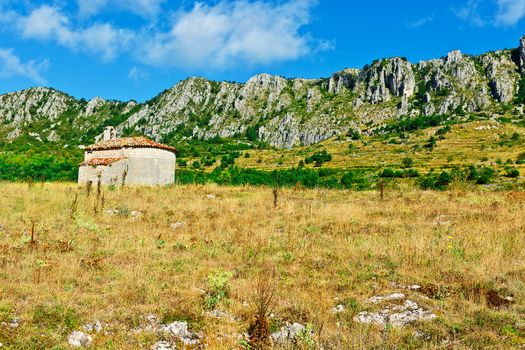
(112, 174)
(142, 166)
(150, 166)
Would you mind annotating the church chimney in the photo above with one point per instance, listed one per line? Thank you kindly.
(109, 133)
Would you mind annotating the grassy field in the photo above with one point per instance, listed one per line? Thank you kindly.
(68, 259)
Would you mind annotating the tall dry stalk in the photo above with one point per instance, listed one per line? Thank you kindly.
(275, 192)
(381, 184)
(74, 206)
(263, 302)
(89, 185)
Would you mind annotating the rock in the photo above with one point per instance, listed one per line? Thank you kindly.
(97, 327)
(393, 296)
(503, 77)
(136, 215)
(152, 319)
(163, 345)
(93, 104)
(389, 78)
(395, 315)
(338, 309)
(111, 212)
(211, 196)
(79, 339)
(286, 112)
(521, 51)
(15, 322)
(180, 330)
(288, 333)
(177, 225)
(345, 79)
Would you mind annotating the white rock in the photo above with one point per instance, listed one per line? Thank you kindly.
(288, 333)
(163, 345)
(15, 322)
(177, 225)
(152, 319)
(97, 327)
(136, 215)
(180, 330)
(397, 315)
(211, 196)
(393, 296)
(338, 309)
(79, 339)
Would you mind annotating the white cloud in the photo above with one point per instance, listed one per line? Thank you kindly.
(88, 8)
(144, 8)
(233, 32)
(137, 74)
(421, 21)
(6, 16)
(207, 37)
(510, 12)
(11, 65)
(502, 13)
(48, 23)
(470, 13)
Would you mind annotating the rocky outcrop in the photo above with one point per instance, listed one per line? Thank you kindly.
(502, 75)
(282, 112)
(521, 51)
(389, 78)
(24, 106)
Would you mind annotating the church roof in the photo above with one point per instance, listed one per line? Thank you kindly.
(129, 142)
(101, 161)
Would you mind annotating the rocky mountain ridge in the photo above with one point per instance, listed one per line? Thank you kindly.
(281, 112)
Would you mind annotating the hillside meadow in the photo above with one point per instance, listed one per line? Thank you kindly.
(206, 255)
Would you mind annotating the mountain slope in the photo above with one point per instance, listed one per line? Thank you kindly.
(278, 111)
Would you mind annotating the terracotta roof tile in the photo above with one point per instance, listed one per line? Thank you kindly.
(101, 161)
(125, 142)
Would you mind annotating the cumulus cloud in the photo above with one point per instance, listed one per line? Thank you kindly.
(510, 12)
(233, 32)
(48, 23)
(222, 35)
(470, 13)
(145, 8)
(501, 13)
(11, 65)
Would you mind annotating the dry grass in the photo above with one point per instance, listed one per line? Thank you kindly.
(327, 248)
(464, 145)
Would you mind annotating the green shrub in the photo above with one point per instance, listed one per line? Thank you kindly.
(407, 162)
(432, 181)
(480, 176)
(521, 158)
(512, 172)
(318, 158)
(218, 288)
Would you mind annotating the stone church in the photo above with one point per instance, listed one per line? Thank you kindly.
(128, 160)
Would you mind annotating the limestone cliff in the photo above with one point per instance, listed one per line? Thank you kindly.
(283, 112)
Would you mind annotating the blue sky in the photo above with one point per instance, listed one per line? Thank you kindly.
(134, 49)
